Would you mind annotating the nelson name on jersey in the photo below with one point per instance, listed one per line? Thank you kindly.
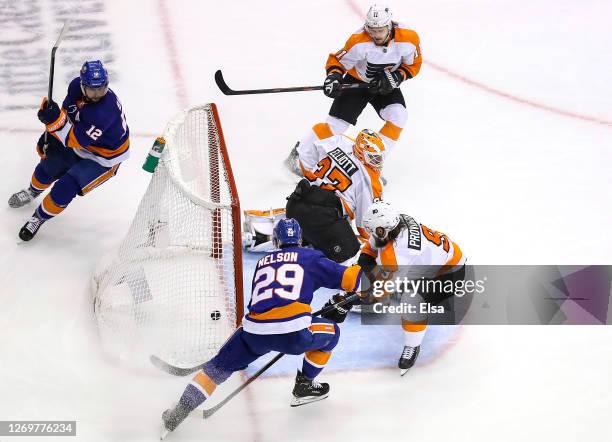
(276, 258)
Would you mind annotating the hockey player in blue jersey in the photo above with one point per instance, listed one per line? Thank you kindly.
(86, 141)
(279, 319)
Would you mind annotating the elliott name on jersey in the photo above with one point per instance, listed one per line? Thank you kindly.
(330, 163)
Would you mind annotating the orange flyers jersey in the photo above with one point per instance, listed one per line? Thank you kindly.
(363, 59)
(418, 245)
(331, 164)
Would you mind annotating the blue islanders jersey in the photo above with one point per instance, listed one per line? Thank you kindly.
(96, 131)
(283, 285)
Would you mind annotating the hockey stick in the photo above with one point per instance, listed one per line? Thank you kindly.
(209, 412)
(178, 371)
(52, 73)
(227, 91)
(172, 369)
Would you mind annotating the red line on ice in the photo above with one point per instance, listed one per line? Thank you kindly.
(483, 87)
(168, 33)
(252, 409)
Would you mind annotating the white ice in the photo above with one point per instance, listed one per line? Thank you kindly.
(510, 182)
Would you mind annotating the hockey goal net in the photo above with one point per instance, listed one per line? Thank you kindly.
(174, 287)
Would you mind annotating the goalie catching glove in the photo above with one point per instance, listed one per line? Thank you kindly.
(339, 312)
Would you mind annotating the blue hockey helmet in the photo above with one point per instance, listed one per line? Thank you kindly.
(93, 74)
(94, 80)
(287, 232)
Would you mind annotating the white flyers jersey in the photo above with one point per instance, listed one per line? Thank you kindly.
(330, 164)
(363, 59)
(417, 245)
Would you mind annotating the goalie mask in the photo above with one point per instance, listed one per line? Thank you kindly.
(369, 148)
(379, 220)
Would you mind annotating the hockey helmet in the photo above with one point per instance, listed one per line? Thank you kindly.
(94, 80)
(369, 148)
(378, 23)
(380, 219)
(287, 232)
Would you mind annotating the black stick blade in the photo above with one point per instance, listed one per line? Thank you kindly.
(222, 84)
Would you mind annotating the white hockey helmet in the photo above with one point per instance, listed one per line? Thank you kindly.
(377, 18)
(369, 148)
(380, 218)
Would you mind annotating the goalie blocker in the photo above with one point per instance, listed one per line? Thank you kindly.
(324, 226)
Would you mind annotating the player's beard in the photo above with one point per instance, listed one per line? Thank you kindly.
(96, 96)
(380, 243)
(381, 41)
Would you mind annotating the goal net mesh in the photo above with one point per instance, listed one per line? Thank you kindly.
(171, 288)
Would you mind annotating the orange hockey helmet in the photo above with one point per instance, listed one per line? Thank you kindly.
(369, 148)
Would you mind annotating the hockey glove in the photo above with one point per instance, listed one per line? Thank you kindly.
(339, 312)
(302, 188)
(386, 81)
(51, 116)
(332, 86)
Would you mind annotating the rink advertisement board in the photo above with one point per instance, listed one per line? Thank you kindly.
(490, 295)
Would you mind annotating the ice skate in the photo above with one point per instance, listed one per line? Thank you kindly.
(29, 229)
(408, 358)
(307, 390)
(172, 418)
(22, 198)
(292, 161)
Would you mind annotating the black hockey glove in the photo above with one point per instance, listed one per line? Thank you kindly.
(302, 188)
(332, 86)
(51, 116)
(338, 313)
(48, 114)
(385, 82)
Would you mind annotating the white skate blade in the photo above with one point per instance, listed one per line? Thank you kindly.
(403, 371)
(297, 401)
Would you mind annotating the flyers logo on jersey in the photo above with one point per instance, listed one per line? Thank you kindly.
(343, 161)
(372, 69)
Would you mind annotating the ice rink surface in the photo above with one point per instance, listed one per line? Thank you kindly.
(507, 150)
